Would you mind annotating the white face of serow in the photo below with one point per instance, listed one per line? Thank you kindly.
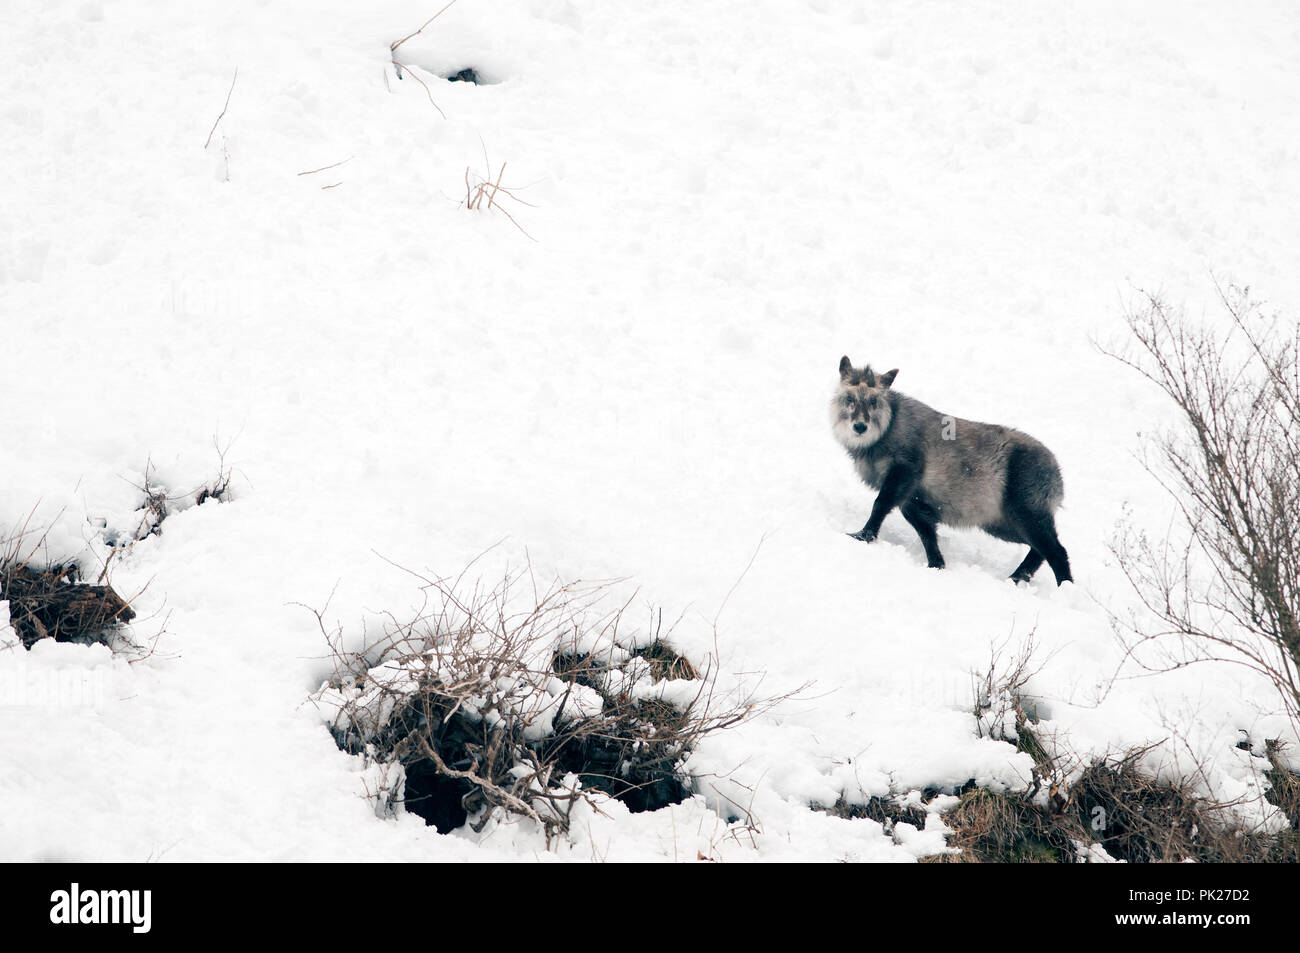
(860, 410)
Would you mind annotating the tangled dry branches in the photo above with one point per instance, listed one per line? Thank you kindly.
(518, 699)
(1230, 589)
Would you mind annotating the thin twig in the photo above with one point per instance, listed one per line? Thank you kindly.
(393, 46)
(223, 108)
(427, 91)
(324, 167)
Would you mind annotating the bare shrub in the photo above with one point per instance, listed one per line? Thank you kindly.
(999, 691)
(161, 501)
(1229, 588)
(1004, 710)
(515, 699)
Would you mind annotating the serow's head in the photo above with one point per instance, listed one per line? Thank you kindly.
(860, 409)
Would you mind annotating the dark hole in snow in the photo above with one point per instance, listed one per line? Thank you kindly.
(467, 75)
(579, 668)
(634, 759)
(435, 798)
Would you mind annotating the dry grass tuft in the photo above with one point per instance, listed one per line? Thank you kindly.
(996, 827)
(485, 193)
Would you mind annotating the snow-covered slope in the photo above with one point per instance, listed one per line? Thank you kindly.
(628, 380)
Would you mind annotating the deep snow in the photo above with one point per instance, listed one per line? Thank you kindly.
(724, 199)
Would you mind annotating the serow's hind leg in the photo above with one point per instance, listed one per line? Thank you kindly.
(1039, 530)
(921, 521)
(1025, 571)
(1060, 563)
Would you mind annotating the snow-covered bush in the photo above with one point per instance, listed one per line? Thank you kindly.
(160, 501)
(517, 700)
(1116, 805)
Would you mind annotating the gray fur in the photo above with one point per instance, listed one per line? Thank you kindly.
(942, 469)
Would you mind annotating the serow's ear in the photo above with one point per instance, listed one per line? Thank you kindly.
(887, 378)
(846, 368)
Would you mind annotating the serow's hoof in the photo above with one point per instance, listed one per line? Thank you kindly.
(863, 535)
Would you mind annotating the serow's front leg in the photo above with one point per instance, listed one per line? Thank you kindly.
(900, 482)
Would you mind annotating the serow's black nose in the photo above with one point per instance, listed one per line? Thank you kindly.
(859, 427)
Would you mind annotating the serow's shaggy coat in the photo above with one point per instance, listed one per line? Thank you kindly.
(941, 469)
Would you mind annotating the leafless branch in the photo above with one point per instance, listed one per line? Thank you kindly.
(396, 43)
(223, 108)
(1227, 589)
